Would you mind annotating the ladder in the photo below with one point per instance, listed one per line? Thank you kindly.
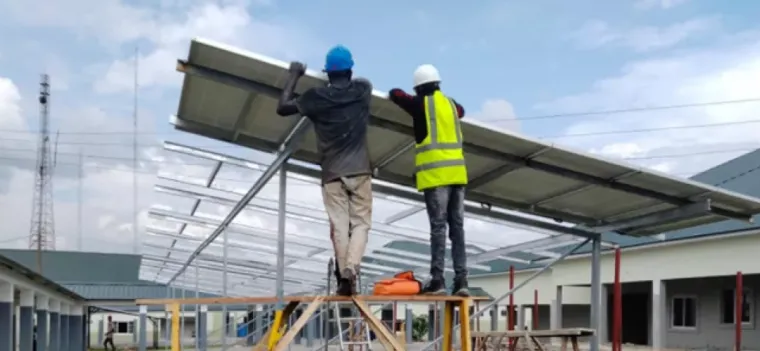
(357, 332)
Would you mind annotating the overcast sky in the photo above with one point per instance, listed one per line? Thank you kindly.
(541, 68)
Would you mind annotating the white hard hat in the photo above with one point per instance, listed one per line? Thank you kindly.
(426, 74)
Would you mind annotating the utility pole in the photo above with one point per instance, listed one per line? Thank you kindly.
(42, 229)
(80, 179)
(136, 210)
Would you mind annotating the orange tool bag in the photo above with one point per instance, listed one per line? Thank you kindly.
(403, 283)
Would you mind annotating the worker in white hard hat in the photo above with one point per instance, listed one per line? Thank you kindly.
(440, 172)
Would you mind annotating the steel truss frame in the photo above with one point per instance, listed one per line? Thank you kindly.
(539, 248)
(264, 270)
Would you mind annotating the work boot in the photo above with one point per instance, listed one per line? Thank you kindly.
(349, 275)
(461, 288)
(436, 286)
(345, 288)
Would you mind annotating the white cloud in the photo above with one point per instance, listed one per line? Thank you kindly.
(724, 72)
(499, 112)
(10, 105)
(229, 22)
(111, 22)
(658, 4)
(163, 31)
(596, 33)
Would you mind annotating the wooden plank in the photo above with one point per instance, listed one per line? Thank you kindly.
(298, 325)
(538, 333)
(263, 343)
(251, 300)
(381, 332)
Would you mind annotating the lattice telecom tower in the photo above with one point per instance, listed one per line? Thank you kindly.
(42, 230)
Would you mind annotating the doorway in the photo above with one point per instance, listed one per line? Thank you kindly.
(636, 308)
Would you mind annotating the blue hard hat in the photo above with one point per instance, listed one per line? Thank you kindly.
(338, 59)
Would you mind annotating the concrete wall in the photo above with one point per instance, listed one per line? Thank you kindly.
(683, 266)
(710, 333)
(214, 323)
(717, 256)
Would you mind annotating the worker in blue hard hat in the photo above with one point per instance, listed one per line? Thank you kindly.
(340, 114)
(440, 172)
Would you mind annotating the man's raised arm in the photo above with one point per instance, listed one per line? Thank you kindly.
(287, 105)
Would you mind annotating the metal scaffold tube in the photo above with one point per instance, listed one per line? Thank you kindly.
(225, 282)
(596, 293)
(287, 148)
(280, 281)
(282, 207)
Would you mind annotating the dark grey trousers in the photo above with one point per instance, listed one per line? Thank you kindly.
(445, 207)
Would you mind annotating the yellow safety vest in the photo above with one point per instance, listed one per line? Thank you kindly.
(439, 159)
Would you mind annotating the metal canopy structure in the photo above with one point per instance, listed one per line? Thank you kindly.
(177, 230)
(229, 94)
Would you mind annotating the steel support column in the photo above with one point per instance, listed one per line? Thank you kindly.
(225, 283)
(596, 292)
(101, 330)
(282, 207)
(408, 324)
(202, 328)
(142, 329)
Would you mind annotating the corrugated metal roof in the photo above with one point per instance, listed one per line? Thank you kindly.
(128, 291)
(71, 266)
(23, 270)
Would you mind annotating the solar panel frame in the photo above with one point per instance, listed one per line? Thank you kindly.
(553, 181)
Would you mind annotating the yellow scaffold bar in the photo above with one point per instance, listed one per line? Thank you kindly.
(174, 309)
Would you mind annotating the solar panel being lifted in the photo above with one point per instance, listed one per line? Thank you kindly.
(230, 94)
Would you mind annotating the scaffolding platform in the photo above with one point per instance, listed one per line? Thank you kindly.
(287, 299)
(281, 333)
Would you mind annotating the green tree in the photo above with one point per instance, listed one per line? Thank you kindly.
(419, 327)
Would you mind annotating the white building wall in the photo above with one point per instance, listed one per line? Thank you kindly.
(128, 338)
(717, 256)
(498, 284)
(714, 256)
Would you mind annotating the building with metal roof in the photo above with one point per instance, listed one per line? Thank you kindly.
(682, 284)
(26, 295)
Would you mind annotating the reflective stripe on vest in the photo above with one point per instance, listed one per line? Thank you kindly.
(440, 149)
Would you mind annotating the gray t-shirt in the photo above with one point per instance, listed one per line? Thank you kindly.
(340, 113)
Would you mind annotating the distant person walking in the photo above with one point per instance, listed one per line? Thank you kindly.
(109, 335)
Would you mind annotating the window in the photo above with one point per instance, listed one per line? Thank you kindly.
(728, 306)
(124, 327)
(683, 312)
(503, 312)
